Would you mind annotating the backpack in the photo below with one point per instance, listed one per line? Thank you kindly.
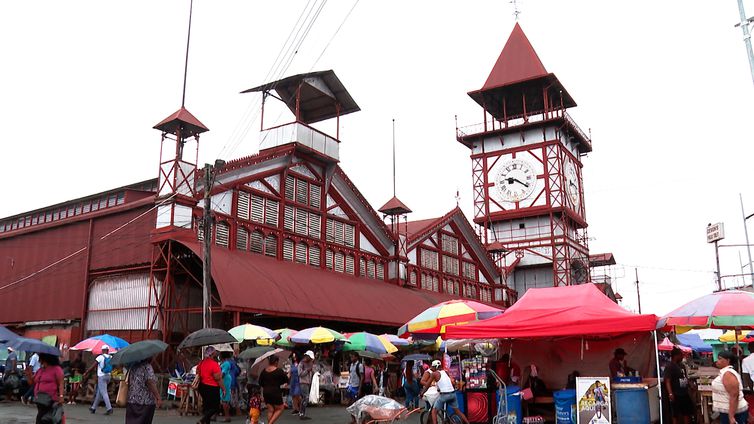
(106, 366)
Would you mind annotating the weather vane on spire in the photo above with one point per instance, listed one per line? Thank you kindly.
(516, 11)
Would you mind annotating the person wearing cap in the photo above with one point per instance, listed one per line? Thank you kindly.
(446, 388)
(677, 385)
(11, 362)
(727, 391)
(102, 363)
(618, 365)
(305, 374)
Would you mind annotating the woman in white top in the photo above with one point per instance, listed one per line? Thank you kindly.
(727, 391)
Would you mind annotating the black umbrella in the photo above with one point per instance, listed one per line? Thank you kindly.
(206, 337)
(255, 352)
(7, 335)
(139, 351)
(33, 345)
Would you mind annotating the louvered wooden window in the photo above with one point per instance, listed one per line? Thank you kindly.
(349, 264)
(242, 207)
(329, 259)
(290, 189)
(242, 238)
(314, 196)
(380, 271)
(315, 225)
(450, 265)
(449, 243)
(314, 256)
(362, 267)
(288, 249)
(289, 216)
(223, 233)
(412, 278)
(435, 283)
(429, 259)
(301, 221)
(348, 235)
(271, 212)
(301, 253)
(469, 270)
(339, 261)
(302, 188)
(330, 236)
(257, 208)
(271, 246)
(200, 229)
(370, 269)
(256, 242)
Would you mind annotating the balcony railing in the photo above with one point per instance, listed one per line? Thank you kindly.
(481, 128)
(297, 132)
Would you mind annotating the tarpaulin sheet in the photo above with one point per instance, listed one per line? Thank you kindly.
(566, 311)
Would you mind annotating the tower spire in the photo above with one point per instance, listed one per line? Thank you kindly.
(393, 157)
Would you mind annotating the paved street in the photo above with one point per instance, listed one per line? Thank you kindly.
(11, 413)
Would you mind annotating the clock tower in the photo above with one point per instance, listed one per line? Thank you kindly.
(527, 171)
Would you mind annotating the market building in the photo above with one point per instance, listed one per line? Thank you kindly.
(294, 242)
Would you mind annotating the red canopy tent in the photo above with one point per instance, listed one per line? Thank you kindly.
(579, 311)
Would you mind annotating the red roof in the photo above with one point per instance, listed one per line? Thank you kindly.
(260, 284)
(517, 62)
(394, 207)
(184, 120)
(564, 311)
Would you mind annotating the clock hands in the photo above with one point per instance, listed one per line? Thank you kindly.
(511, 180)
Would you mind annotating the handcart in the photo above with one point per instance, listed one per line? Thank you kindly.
(373, 409)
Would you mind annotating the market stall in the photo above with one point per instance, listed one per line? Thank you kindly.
(562, 330)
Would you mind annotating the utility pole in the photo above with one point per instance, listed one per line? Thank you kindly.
(207, 239)
(746, 233)
(638, 295)
(744, 24)
(717, 261)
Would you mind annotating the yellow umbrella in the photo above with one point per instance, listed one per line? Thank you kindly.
(730, 336)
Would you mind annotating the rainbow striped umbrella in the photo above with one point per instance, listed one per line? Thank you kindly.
(252, 332)
(453, 312)
(370, 343)
(732, 309)
(316, 335)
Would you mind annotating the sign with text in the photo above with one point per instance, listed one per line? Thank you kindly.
(593, 400)
(715, 232)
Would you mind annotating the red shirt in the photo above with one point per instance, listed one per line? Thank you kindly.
(48, 380)
(206, 370)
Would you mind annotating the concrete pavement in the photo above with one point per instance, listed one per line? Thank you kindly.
(15, 413)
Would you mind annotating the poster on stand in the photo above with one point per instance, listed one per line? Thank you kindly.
(593, 400)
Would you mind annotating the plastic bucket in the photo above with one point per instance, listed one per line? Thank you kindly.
(565, 406)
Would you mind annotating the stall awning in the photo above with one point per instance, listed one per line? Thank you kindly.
(256, 283)
(566, 311)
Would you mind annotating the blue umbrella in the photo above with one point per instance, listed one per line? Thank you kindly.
(33, 345)
(112, 341)
(7, 335)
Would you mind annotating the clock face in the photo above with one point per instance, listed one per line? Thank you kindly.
(515, 180)
(572, 185)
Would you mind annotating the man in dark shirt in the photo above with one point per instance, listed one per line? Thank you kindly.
(677, 386)
(618, 365)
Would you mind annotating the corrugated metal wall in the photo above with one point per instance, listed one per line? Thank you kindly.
(120, 302)
(129, 245)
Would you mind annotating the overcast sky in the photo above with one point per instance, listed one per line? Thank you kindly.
(664, 87)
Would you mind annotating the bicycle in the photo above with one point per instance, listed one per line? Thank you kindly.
(443, 417)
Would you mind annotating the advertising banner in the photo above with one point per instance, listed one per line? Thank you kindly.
(593, 400)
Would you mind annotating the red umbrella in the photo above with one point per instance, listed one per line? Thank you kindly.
(667, 346)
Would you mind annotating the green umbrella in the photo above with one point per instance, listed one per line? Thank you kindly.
(255, 352)
(282, 341)
(139, 351)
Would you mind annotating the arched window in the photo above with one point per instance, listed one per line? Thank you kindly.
(314, 255)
